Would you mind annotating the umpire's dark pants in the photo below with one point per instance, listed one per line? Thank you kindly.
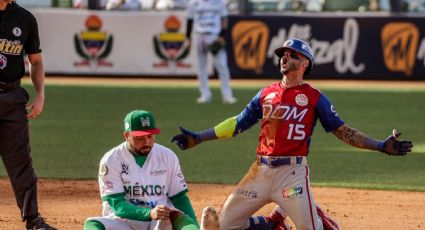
(15, 150)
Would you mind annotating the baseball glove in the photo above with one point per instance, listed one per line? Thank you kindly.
(186, 139)
(394, 147)
(216, 45)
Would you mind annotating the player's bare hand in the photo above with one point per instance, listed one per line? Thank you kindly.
(186, 139)
(35, 107)
(394, 147)
(160, 212)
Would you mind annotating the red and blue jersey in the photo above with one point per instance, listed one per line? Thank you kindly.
(288, 117)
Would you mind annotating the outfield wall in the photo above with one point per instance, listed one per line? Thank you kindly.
(347, 46)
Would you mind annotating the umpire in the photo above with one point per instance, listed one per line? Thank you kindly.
(19, 34)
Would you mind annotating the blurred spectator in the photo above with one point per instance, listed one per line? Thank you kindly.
(84, 4)
(123, 5)
(297, 5)
(385, 5)
(300, 5)
(404, 6)
(314, 5)
(62, 3)
(416, 5)
(170, 4)
(374, 5)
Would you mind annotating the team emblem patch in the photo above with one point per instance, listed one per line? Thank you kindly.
(288, 43)
(17, 31)
(301, 100)
(292, 192)
(3, 61)
(158, 172)
(145, 122)
(124, 168)
(103, 170)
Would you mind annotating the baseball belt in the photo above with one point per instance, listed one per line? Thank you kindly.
(9, 86)
(278, 161)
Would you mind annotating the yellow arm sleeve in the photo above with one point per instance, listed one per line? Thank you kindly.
(226, 128)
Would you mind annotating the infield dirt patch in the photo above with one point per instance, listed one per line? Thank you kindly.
(66, 204)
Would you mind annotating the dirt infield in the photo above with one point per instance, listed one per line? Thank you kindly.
(67, 203)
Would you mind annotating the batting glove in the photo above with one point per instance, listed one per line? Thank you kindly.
(393, 147)
(186, 139)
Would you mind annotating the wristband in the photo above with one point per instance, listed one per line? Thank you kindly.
(208, 134)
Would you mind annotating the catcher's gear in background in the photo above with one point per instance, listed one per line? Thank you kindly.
(186, 139)
(216, 45)
(393, 147)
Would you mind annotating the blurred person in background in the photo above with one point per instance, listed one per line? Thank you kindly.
(209, 21)
(170, 4)
(300, 5)
(374, 5)
(415, 5)
(19, 35)
(84, 4)
(123, 5)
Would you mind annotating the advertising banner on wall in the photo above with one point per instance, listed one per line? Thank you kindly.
(116, 43)
(345, 47)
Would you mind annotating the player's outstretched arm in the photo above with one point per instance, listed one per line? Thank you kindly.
(230, 127)
(390, 146)
(188, 139)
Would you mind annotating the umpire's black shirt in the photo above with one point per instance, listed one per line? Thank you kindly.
(18, 33)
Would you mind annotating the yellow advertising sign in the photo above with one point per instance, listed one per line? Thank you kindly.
(399, 44)
(250, 44)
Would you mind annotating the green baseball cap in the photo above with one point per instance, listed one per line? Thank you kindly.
(140, 123)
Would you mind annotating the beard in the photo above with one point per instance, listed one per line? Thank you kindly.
(144, 150)
(287, 66)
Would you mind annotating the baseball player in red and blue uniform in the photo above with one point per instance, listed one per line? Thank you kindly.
(288, 111)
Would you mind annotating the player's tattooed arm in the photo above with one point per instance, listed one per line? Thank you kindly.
(355, 138)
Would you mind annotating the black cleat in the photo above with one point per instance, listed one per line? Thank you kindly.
(38, 223)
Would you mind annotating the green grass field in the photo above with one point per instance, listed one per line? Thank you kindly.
(81, 123)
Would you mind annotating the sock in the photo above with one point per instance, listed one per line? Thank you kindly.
(93, 225)
(184, 222)
(258, 222)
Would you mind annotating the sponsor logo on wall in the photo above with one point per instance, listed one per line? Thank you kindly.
(399, 44)
(93, 45)
(170, 45)
(341, 52)
(250, 40)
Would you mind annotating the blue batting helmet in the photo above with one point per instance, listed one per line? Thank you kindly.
(299, 46)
